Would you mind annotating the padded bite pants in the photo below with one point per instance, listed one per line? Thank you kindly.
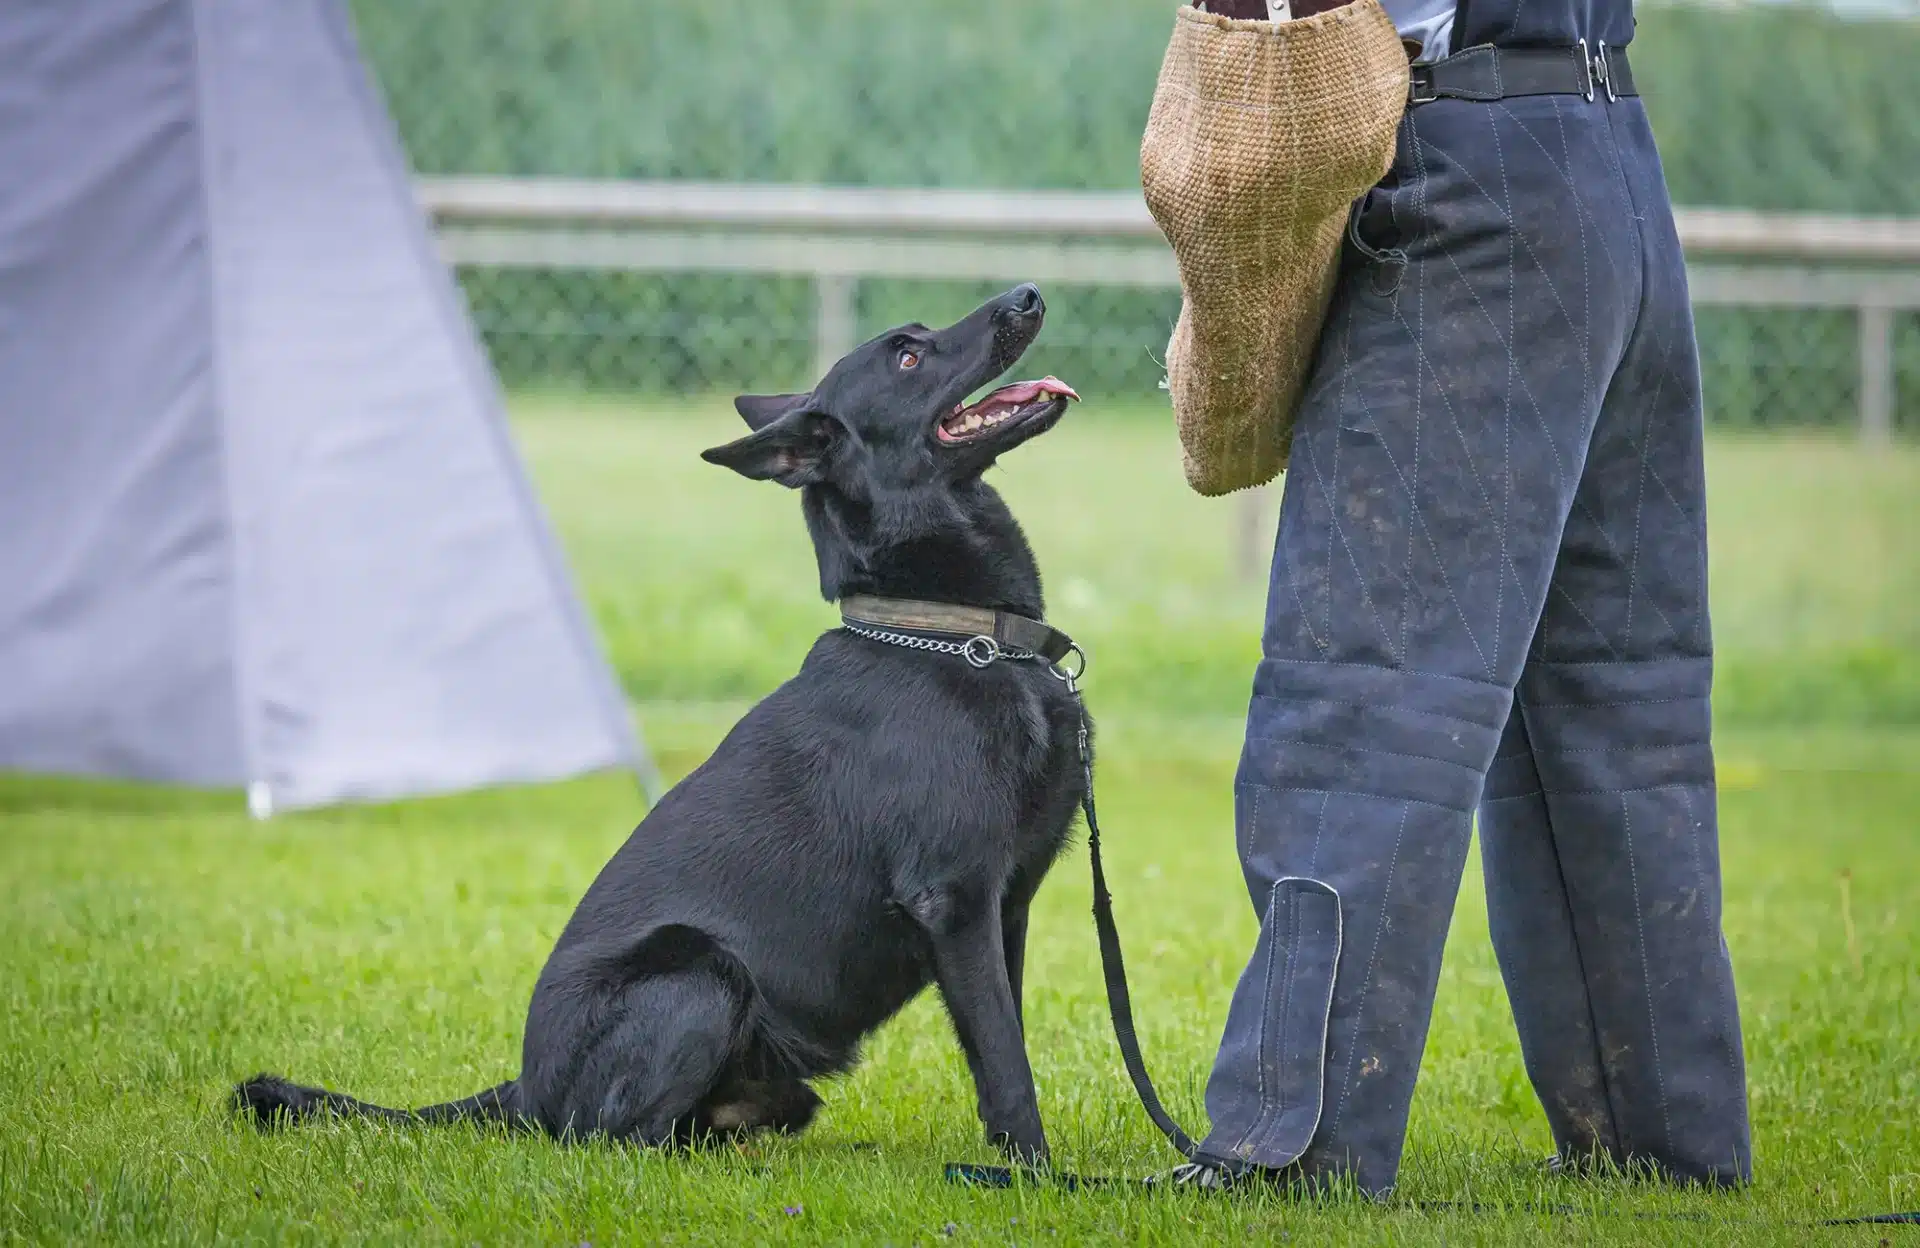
(1490, 590)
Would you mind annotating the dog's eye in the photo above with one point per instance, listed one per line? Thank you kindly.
(909, 359)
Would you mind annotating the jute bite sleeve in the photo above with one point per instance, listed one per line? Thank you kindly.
(1260, 138)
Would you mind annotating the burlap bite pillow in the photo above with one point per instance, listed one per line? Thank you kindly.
(1261, 136)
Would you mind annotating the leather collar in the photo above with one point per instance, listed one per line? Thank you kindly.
(1007, 630)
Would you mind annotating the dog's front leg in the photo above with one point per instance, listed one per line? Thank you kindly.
(1013, 932)
(970, 965)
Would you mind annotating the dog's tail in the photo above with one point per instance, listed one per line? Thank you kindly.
(272, 1101)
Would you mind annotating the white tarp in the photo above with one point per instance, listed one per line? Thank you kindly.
(261, 519)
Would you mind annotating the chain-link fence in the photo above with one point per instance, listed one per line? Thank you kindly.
(1005, 93)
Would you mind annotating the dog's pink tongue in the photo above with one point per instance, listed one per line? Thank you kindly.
(1027, 391)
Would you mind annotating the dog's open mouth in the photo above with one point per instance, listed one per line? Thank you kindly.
(1007, 405)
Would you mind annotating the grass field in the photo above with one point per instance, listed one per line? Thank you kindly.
(155, 945)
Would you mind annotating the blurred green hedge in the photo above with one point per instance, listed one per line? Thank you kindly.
(1759, 106)
(1776, 107)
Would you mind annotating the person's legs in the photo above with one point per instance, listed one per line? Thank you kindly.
(1434, 463)
(1598, 832)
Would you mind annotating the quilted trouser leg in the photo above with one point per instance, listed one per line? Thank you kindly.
(1354, 862)
(1598, 831)
(1603, 894)
(1486, 299)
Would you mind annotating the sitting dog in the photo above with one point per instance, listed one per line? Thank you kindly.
(880, 822)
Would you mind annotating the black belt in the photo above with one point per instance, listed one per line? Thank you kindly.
(1490, 73)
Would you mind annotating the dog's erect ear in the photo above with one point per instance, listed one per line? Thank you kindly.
(789, 450)
(761, 410)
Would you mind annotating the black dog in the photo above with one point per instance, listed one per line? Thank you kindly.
(881, 821)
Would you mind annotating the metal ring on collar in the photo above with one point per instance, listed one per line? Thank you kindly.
(981, 651)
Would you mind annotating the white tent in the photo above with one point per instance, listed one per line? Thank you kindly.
(261, 519)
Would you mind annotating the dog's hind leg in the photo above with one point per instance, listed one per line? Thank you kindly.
(664, 1045)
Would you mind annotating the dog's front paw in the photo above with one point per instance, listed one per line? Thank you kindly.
(1031, 1153)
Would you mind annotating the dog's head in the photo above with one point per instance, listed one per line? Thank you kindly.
(892, 417)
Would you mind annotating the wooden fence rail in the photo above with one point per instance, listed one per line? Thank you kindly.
(838, 236)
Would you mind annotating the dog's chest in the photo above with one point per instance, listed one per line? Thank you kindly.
(1049, 727)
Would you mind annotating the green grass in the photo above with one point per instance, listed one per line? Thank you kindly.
(156, 945)
(703, 583)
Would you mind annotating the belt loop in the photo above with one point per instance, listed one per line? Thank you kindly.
(1586, 73)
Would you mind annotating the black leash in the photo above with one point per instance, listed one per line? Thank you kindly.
(991, 636)
(1114, 968)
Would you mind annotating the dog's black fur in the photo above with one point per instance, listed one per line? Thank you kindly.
(880, 822)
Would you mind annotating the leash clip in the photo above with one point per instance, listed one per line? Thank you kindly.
(1071, 678)
(981, 651)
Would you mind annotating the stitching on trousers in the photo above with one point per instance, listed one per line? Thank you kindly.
(1559, 463)
(1587, 386)
(1534, 406)
(1513, 366)
(1579, 663)
(1579, 955)
(1333, 527)
(1514, 236)
(1643, 788)
(1619, 661)
(1533, 402)
(1333, 514)
(1439, 563)
(1361, 749)
(1319, 828)
(1586, 262)
(1586, 706)
(1366, 982)
(1576, 192)
(1728, 1029)
(1244, 841)
(1646, 979)
(1699, 544)
(1270, 1116)
(1619, 749)
(1266, 1004)
(1662, 369)
(1640, 496)
(1457, 721)
(1475, 681)
(1419, 392)
(1393, 797)
(1556, 587)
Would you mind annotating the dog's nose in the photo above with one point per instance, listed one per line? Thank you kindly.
(1025, 299)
